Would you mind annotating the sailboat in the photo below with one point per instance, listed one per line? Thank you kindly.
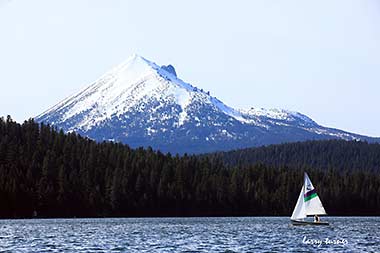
(308, 204)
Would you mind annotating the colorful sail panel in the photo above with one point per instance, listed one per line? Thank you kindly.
(310, 195)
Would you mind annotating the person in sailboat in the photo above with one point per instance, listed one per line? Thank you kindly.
(316, 218)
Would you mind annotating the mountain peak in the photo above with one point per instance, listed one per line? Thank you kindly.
(135, 56)
(143, 104)
(136, 59)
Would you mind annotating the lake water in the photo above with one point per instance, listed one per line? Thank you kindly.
(229, 234)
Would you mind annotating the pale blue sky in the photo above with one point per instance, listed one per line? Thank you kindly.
(320, 58)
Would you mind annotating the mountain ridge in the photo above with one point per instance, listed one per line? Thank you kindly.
(143, 104)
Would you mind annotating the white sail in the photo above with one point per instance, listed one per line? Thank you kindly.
(299, 212)
(308, 202)
(313, 204)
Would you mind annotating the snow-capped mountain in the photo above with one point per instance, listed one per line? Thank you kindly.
(142, 104)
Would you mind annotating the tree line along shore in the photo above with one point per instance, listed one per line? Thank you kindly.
(47, 173)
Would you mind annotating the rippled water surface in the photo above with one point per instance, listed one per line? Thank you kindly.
(230, 234)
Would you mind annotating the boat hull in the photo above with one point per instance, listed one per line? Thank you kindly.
(304, 223)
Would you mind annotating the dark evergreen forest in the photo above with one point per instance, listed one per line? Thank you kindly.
(326, 154)
(46, 173)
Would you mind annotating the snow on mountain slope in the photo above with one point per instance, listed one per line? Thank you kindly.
(124, 87)
(143, 104)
